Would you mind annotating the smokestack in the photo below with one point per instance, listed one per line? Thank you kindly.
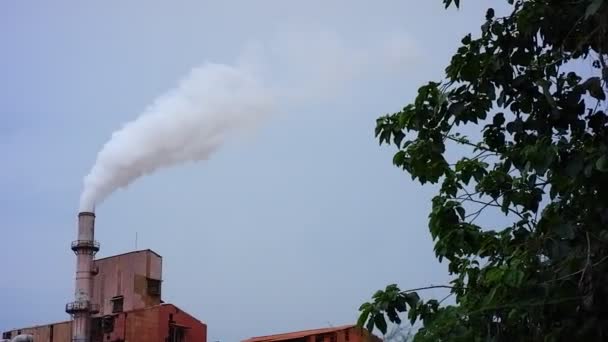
(82, 307)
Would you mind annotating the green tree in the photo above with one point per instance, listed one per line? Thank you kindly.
(540, 158)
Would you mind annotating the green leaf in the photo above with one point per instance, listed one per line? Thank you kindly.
(594, 86)
(399, 158)
(513, 314)
(370, 322)
(565, 230)
(363, 317)
(558, 249)
(461, 212)
(506, 202)
(593, 8)
(412, 299)
(602, 164)
(413, 314)
(449, 2)
(380, 323)
(398, 137)
(494, 275)
(604, 236)
(498, 119)
(400, 304)
(575, 165)
(514, 277)
(365, 306)
(456, 108)
(588, 170)
(490, 297)
(490, 14)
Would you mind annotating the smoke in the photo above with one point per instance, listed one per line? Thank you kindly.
(214, 102)
(315, 65)
(188, 123)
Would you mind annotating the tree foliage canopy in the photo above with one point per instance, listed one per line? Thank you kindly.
(540, 158)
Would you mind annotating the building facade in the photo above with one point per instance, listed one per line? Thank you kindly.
(127, 282)
(128, 289)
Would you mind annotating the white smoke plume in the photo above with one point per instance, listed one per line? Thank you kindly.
(215, 101)
(188, 123)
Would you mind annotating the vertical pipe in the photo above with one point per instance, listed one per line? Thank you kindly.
(84, 259)
(82, 308)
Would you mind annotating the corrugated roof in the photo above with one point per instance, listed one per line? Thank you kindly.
(297, 334)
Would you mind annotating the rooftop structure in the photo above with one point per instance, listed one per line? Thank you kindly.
(125, 293)
(345, 333)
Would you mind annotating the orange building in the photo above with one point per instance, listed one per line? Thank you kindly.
(345, 333)
(127, 290)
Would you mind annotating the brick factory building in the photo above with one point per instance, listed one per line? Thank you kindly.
(127, 291)
(118, 299)
(346, 333)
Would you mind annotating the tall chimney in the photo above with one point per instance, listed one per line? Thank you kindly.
(82, 307)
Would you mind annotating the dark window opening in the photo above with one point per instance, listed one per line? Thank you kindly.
(96, 329)
(332, 338)
(107, 324)
(319, 338)
(117, 304)
(177, 334)
(346, 335)
(7, 335)
(154, 287)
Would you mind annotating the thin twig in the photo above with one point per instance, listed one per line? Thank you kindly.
(446, 297)
(477, 213)
(588, 259)
(577, 272)
(470, 144)
(511, 210)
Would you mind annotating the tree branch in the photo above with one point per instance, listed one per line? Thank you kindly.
(460, 141)
(432, 287)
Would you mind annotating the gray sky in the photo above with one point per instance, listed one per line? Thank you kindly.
(291, 228)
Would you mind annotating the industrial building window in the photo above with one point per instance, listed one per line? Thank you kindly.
(176, 334)
(7, 335)
(332, 338)
(153, 287)
(346, 335)
(117, 304)
(107, 324)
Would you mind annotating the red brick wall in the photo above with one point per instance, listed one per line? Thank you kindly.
(125, 275)
(197, 331)
(142, 326)
(152, 325)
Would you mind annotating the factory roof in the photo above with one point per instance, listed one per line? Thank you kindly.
(37, 326)
(132, 252)
(297, 334)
